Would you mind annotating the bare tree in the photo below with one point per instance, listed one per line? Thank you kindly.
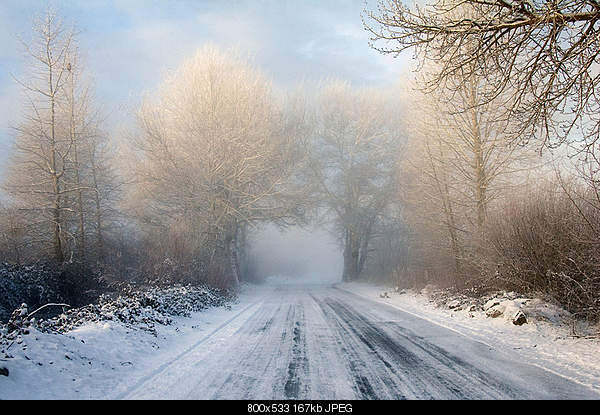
(105, 192)
(37, 171)
(58, 175)
(353, 160)
(76, 128)
(543, 52)
(216, 156)
(461, 159)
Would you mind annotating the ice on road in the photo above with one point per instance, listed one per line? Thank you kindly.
(319, 342)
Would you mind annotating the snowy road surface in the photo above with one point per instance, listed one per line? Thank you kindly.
(319, 342)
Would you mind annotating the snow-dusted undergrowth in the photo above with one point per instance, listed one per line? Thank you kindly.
(550, 339)
(86, 352)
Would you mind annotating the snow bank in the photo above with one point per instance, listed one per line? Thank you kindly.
(87, 353)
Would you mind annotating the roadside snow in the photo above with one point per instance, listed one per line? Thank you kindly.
(544, 341)
(99, 359)
(109, 358)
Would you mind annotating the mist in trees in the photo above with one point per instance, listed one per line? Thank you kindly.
(216, 156)
(356, 141)
(300, 253)
(504, 80)
(59, 176)
(479, 173)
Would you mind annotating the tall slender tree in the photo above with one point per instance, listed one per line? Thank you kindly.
(37, 171)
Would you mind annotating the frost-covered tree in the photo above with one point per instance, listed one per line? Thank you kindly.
(57, 169)
(215, 156)
(543, 53)
(354, 153)
(37, 171)
(461, 158)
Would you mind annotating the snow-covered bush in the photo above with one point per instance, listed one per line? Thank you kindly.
(541, 244)
(40, 284)
(140, 308)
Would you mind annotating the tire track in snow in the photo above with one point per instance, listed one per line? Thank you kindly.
(471, 363)
(298, 365)
(359, 372)
(252, 362)
(417, 367)
(164, 366)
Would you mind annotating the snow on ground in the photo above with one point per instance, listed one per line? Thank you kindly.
(544, 341)
(109, 359)
(98, 359)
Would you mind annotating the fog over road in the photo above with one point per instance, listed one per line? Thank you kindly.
(321, 342)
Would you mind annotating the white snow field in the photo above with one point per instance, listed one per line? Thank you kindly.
(291, 341)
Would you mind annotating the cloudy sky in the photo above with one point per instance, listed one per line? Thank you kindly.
(130, 44)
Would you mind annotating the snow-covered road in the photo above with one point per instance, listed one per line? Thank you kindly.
(319, 342)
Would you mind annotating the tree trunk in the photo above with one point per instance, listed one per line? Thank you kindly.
(232, 250)
(98, 207)
(351, 257)
(82, 250)
(58, 251)
(478, 161)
